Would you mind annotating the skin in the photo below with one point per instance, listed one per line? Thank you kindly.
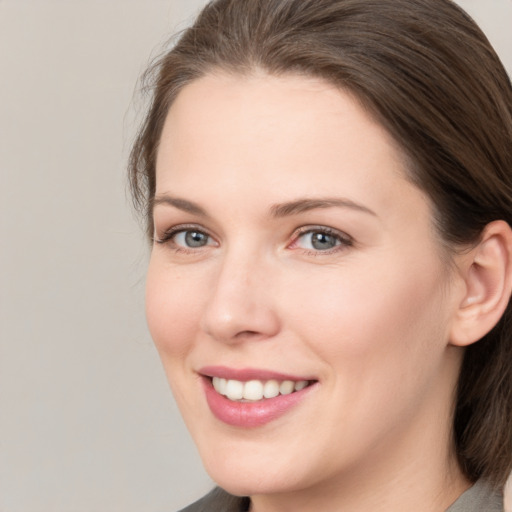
(369, 319)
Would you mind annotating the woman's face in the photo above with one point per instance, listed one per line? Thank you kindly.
(290, 250)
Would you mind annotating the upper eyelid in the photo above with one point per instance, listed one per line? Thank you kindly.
(187, 227)
(325, 229)
(167, 234)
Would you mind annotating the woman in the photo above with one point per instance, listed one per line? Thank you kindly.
(328, 188)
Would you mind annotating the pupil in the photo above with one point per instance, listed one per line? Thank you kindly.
(321, 241)
(195, 239)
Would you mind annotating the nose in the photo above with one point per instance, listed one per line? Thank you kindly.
(240, 305)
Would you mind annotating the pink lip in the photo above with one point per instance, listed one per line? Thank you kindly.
(249, 414)
(246, 374)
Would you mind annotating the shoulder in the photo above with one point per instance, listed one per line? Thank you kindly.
(481, 496)
(218, 501)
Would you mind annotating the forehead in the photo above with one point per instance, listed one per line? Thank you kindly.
(277, 138)
(269, 103)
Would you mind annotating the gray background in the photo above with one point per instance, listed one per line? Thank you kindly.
(87, 422)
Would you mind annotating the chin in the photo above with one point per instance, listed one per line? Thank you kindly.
(250, 482)
(246, 469)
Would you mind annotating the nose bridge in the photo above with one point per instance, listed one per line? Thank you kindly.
(239, 304)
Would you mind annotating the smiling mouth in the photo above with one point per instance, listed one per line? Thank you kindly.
(256, 390)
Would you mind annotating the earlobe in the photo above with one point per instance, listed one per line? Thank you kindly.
(488, 285)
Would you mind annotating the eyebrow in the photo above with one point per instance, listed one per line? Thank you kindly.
(277, 210)
(306, 204)
(180, 204)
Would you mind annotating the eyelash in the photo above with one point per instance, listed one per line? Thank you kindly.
(168, 237)
(343, 239)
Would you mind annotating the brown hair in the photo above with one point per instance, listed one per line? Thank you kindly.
(431, 78)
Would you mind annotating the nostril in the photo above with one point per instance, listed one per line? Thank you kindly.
(248, 334)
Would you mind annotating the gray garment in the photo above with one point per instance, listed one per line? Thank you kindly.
(219, 501)
(479, 498)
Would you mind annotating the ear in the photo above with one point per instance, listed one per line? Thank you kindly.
(487, 274)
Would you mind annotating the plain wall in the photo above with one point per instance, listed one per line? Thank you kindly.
(87, 422)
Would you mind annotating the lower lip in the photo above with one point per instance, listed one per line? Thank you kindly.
(251, 414)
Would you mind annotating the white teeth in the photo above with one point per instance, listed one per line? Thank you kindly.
(220, 385)
(234, 389)
(271, 389)
(300, 385)
(253, 390)
(256, 389)
(286, 387)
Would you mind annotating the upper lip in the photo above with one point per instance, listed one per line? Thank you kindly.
(246, 374)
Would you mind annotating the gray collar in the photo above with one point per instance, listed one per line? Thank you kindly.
(481, 497)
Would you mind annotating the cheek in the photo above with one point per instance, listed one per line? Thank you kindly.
(373, 315)
(172, 311)
(382, 349)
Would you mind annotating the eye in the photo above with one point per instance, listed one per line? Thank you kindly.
(191, 239)
(185, 238)
(321, 239)
(318, 241)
